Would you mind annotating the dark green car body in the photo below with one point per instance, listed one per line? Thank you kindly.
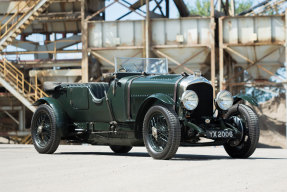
(136, 109)
(83, 106)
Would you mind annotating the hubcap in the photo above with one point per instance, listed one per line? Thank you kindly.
(40, 129)
(240, 125)
(157, 132)
(154, 132)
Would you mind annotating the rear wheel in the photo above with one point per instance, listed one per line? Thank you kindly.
(45, 135)
(161, 132)
(246, 120)
(120, 149)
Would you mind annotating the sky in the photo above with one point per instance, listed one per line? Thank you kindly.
(116, 10)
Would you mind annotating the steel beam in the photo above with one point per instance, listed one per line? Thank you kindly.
(182, 8)
(11, 117)
(98, 56)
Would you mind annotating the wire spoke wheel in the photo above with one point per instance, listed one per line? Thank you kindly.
(43, 131)
(161, 132)
(158, 132)
(46, 137)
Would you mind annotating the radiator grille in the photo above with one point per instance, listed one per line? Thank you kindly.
(205, 96)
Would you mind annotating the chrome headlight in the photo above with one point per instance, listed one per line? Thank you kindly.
(189, 100)
(224, 100)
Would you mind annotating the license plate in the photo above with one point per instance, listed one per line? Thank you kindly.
(220, 134)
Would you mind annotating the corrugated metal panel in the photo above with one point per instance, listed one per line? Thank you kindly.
(253, 29)
(200, 62)
(193, 30)
(256, 38)
(114, 34)
(164, 32)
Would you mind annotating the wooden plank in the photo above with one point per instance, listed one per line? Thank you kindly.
(85, 60)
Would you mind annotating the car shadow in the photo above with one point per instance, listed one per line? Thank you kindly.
(131, 154)
(177, 157)
(196, 157)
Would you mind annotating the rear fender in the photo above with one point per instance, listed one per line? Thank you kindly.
(61, 116)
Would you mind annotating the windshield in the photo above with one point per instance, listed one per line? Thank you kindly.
(139, 65)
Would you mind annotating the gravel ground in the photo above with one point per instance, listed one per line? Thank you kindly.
(95, 168)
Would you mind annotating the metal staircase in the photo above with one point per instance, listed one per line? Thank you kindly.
(18, 18)
(13, 80)
(11, 25)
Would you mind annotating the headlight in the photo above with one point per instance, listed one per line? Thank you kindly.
(224, 100)
(189, 100)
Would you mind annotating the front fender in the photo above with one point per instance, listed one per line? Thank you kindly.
(148, 102)
(245, 97)
(61, 116)
(161, 97)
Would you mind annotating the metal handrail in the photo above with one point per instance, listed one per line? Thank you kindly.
(15, 16)
(16, 78)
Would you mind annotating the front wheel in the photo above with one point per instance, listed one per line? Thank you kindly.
(45, 135)
(246, 120)
(161, 132)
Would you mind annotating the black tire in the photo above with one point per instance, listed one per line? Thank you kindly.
(248, 143)
(46, 137)
(169, 128)
(120, 149)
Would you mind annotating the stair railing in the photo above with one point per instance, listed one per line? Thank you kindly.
(16, 78)
(18, 12)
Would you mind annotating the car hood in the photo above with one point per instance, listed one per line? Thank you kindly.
(164, 83)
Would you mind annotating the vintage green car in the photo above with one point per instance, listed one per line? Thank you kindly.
(141, 104)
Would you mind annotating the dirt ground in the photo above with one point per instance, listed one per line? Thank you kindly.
(272, 122)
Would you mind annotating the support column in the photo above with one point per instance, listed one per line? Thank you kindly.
(21, 119)
(232, 8)
(24, 116)
(212, 46)
(219, 6)
(85, 60)
(167, 8)
(147, 31)
(221, 66)
(285, 84)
